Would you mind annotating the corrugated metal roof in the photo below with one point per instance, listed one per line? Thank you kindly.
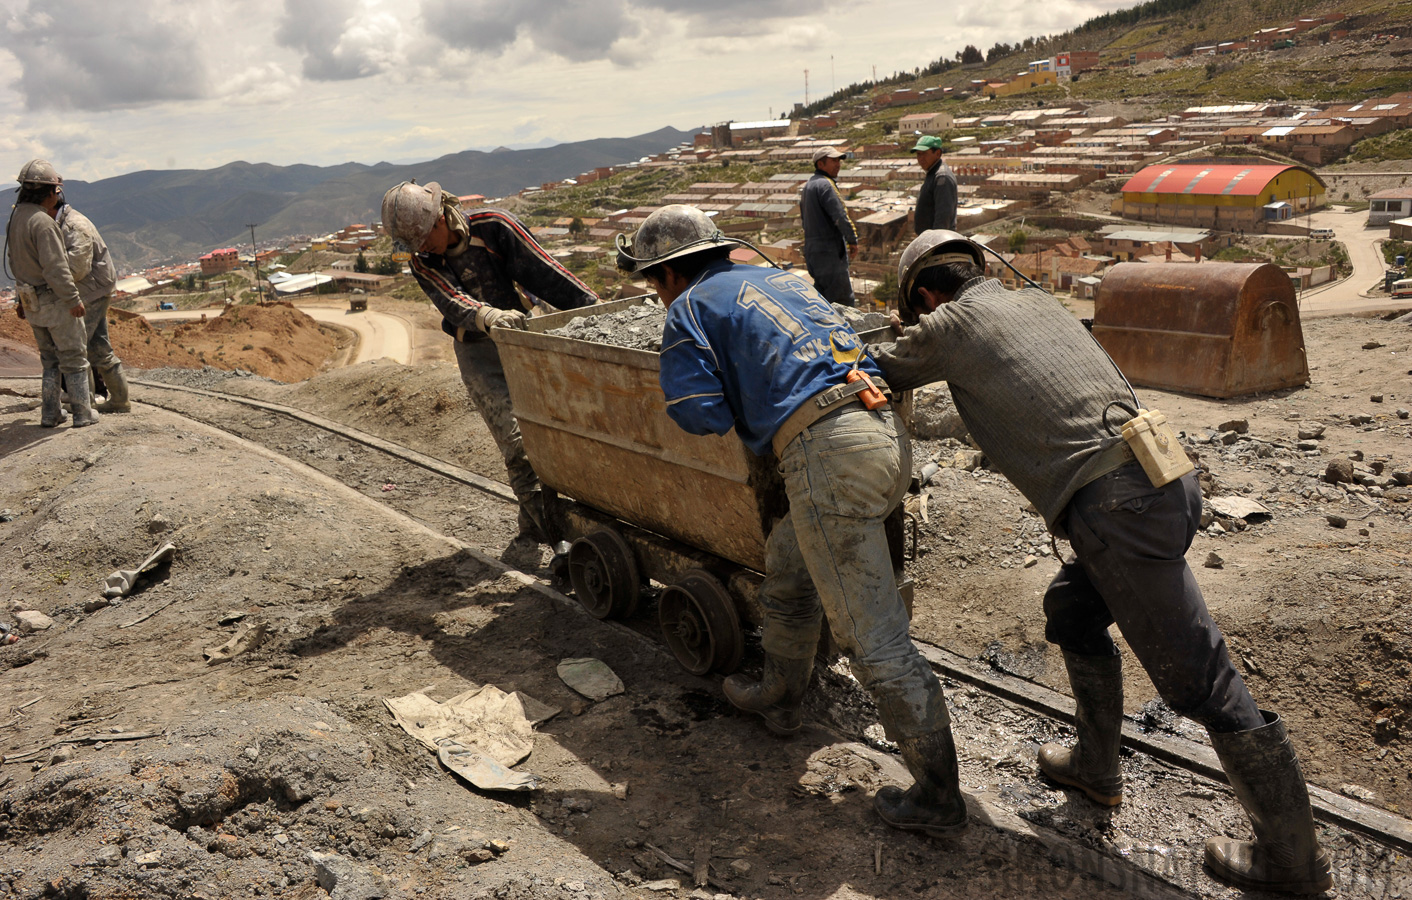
(1204, 180)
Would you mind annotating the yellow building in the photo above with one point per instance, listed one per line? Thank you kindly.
(1025, 81)
(1223, 196)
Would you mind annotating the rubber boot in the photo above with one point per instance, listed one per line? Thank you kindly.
(533, 517)
(51, 407)
(933, 804)
(526, 551)
(116, 383)
(778, 697)
(1091, 765)
(1265, 775)
(81, 400)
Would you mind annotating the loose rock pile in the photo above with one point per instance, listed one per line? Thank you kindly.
(640, 327)
(637, 327)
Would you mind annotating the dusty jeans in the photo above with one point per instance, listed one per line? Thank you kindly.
(843, 475)
(95, 323)
(1130, 540)
(829, 269)
(484, 377)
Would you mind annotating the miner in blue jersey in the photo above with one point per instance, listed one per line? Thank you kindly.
(472, 267)
(760, 351)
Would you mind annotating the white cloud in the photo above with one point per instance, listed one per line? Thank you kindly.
(96, 54)
(105, 86)
(341, 39)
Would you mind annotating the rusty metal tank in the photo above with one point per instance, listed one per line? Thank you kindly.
(1213, 329)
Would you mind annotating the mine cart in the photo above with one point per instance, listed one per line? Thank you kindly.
(640, 498)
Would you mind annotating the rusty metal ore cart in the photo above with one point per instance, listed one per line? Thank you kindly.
(639, 497)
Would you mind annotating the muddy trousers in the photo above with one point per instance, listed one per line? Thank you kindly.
(95, 325)
(484, 377)
(829, 269)
(829, 559)
(1129, 567)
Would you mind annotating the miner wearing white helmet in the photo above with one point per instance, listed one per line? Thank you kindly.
(470, 265)
(49, 298)
(1045, 403)
(760, 351)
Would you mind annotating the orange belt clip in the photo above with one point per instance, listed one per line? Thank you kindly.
(872, 397)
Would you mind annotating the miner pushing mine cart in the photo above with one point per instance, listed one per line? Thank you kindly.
(642, 500)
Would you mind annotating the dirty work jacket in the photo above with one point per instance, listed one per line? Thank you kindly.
(936, 203)
(1028, 379)
(825, 219)
(89, 263)
(38, 259)
(745, 346)
(484, 271)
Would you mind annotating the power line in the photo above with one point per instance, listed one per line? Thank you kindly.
(255, 261)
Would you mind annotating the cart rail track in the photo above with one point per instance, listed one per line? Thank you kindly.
(1373, 822)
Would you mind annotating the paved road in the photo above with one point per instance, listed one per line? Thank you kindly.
(380, 335)
(1352, 294)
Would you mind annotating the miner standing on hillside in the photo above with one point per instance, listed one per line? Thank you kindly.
(1046, 404)
(936, 203)
(49, 299)
(757, 350)
(95, 277)
(830, 240)
(469, 265)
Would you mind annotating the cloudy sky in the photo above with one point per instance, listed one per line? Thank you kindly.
(105, 87)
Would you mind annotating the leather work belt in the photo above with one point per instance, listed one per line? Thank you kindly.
(1112, 459)
(820, 405)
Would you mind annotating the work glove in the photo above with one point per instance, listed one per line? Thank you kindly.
(488, 317)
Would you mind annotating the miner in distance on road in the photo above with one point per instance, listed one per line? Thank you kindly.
(469, 265)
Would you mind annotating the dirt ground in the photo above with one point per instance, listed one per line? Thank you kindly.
(133, 768)
(276, 341)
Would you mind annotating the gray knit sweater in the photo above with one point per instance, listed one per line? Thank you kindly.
(1028, 379)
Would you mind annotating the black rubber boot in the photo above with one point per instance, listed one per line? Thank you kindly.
(51, 406)
(1091, 765)
(778, 697)
(82, 401)
(1265, 775)
(116, 383)
(933, 804)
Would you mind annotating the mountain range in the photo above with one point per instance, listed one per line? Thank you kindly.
(155, 216)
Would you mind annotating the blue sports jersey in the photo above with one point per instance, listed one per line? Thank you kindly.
(745, 346)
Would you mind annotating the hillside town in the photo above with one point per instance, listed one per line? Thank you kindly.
(1182, 186)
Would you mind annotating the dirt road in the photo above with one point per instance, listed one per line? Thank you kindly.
(381, 335)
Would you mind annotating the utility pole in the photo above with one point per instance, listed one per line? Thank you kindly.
(806, 87)
(833, 82)
(255, 261)
(875, 73)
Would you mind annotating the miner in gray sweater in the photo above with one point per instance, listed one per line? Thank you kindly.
(1046, 404)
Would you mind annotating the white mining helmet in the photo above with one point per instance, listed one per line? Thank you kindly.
(935, 247)
(38, 171)
(410, 210)
(670, 232)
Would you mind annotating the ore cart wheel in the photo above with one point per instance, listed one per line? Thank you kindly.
(604, 574)
(700, 624)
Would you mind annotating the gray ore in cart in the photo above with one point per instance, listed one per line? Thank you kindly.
(640, 498)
